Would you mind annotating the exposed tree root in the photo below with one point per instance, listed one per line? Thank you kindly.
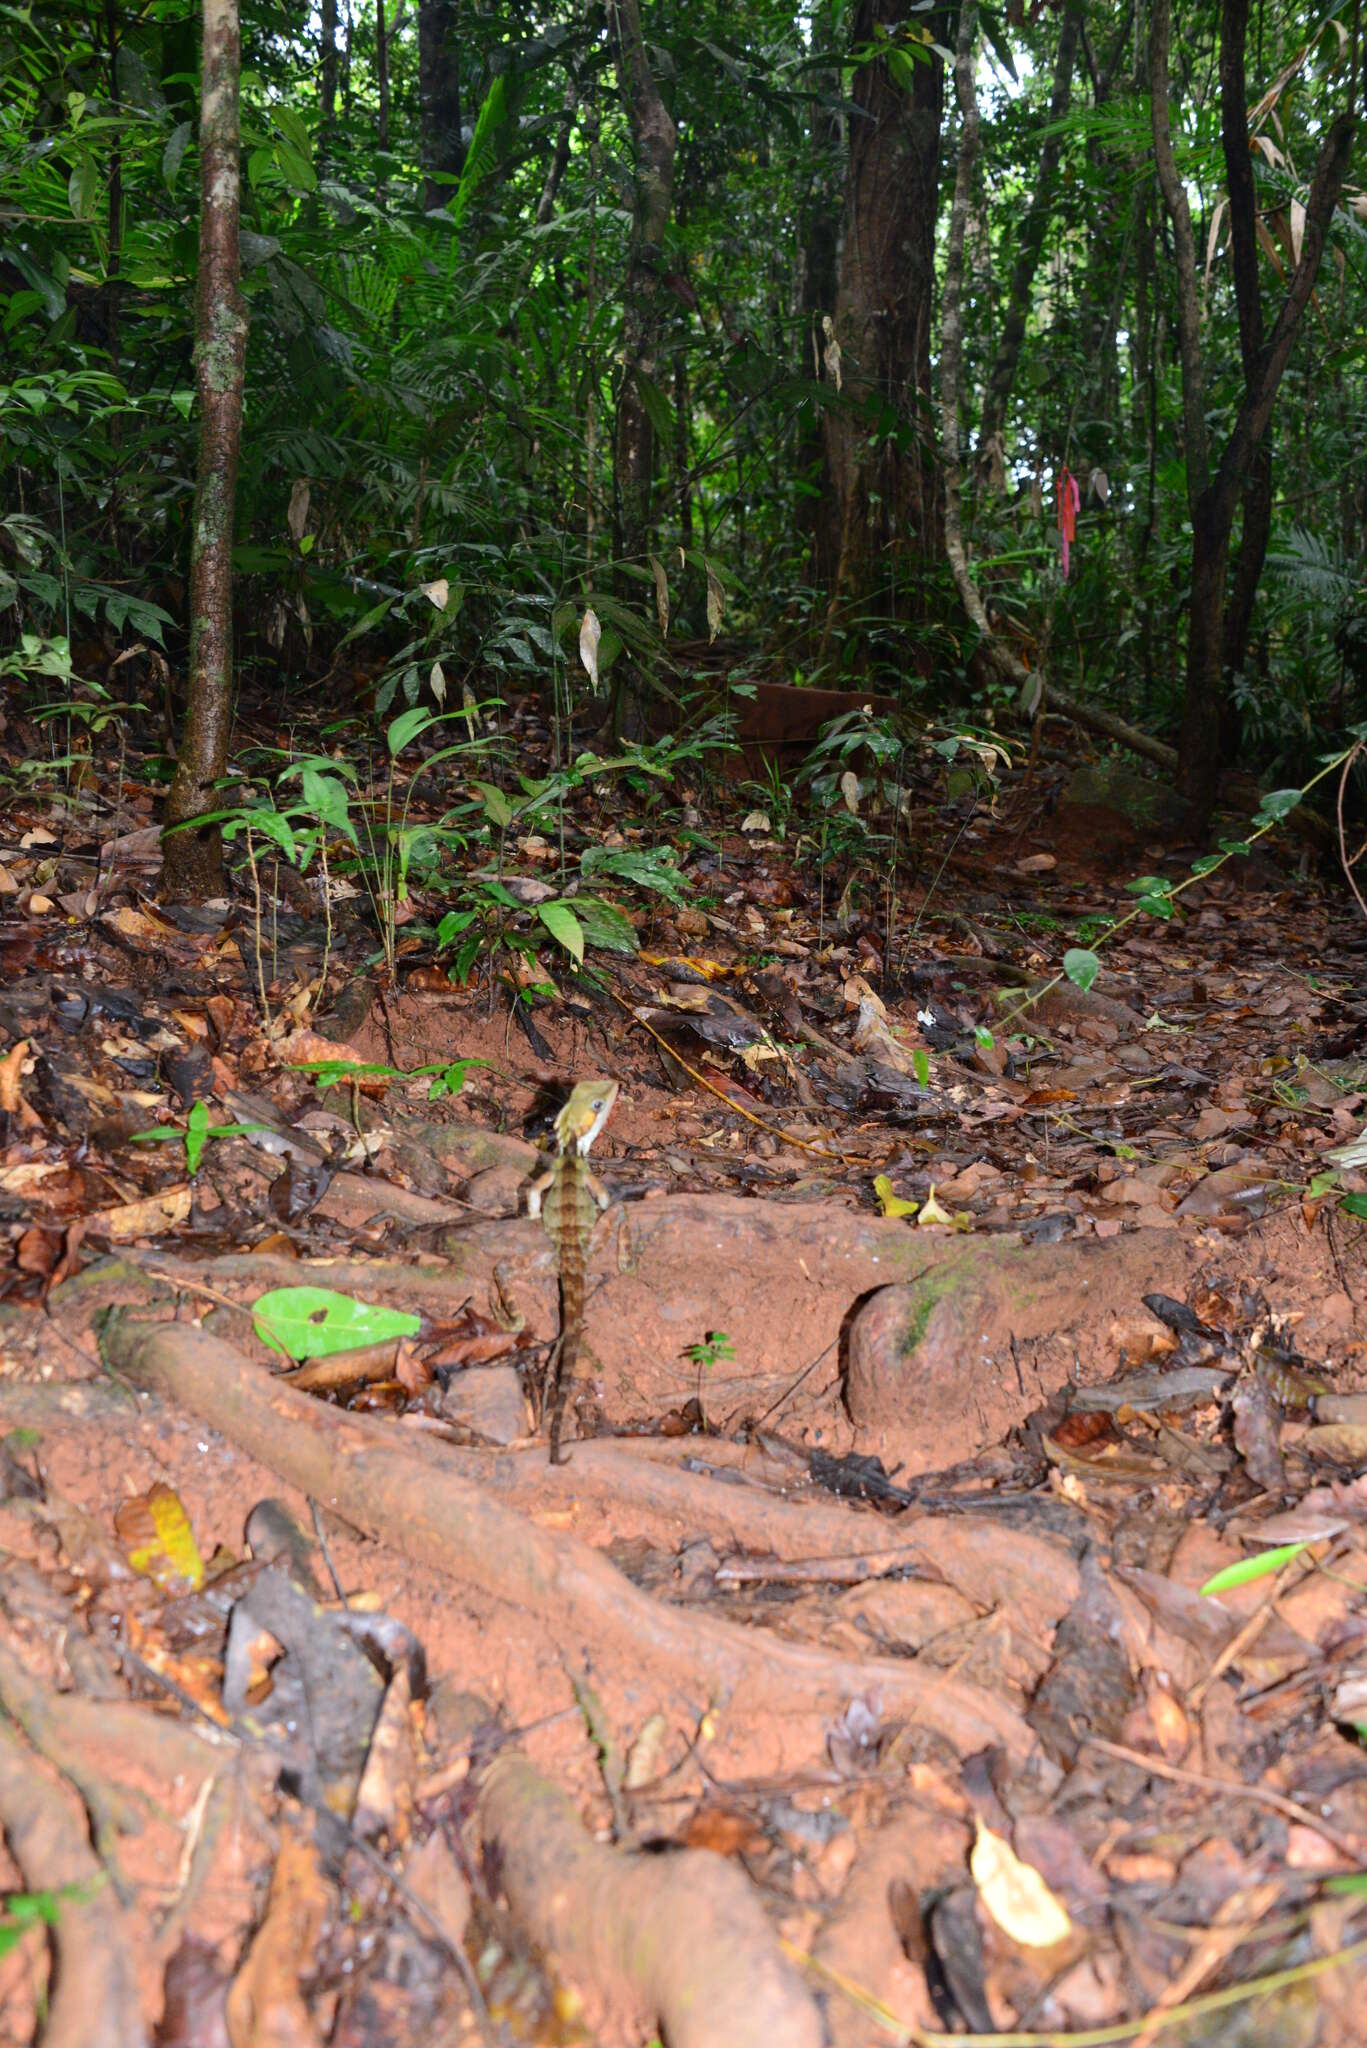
(874, 1939)
(681, 1935)
(94, 1998)
(362, 1469)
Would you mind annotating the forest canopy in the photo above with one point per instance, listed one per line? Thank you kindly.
(771, 327)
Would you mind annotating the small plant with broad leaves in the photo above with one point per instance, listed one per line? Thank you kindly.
(715, 1348)
(194, 1134)
(443, 1077)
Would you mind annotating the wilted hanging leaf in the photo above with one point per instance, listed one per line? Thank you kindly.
(1099, 484)
(849, 789)
(1069, 500)
(995, 457)
(1015, 1894)
(716, 601)
(297, 518)
(160, 1544)
(1213, 242)
(436, 682)
(657, 570)
(437, 593)
(831, 351)
(590, 633)
(1297, 228)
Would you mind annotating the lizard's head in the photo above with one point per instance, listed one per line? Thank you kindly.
(584, 1115)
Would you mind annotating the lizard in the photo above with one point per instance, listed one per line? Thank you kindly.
(568, 1197)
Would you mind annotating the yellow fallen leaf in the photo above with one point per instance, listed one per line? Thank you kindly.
(889, 1203)
(1015, 1894)
(160, 1544)
(933, 1211)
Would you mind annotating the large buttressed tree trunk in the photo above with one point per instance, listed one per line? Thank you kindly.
(442, 145)
(194, 857)
(881, 468)
(654, 137)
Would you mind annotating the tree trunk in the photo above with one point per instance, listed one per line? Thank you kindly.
(1214, 499)
(560, 156)
(194, 856)
(442, 146)
(682, 449)
(880, 455)
(382, 81)
(1029, 245)
(327, 76)
(654, 136)
(992, 648)
(819, 244)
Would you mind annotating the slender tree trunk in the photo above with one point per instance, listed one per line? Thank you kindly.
(819, 243)
(327, 77)
(654, 136)
(1256, 526)
(560, 156)
(382, 80)
(1029, 245)
(993, 650)
(442, 146)
(593, 128)
(880, 462)
(682, 449)
(194, 857)
(1214, 499)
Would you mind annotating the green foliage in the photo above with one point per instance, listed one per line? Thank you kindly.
(714, 1349)
(196, 1134)
(317, 1322)
(426, 483)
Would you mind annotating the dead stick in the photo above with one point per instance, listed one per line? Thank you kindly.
(354, 1465)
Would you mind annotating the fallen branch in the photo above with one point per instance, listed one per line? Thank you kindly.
(682, 1935)
(358, 1466)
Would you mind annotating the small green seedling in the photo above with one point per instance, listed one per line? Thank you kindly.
(196, 1134)
(443, 1077)
(715, 1348)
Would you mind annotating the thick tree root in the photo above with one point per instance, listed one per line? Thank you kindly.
(358, 1466)
(94, 2000)
(682, 1936)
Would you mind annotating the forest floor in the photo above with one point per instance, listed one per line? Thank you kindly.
(871, 1588)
